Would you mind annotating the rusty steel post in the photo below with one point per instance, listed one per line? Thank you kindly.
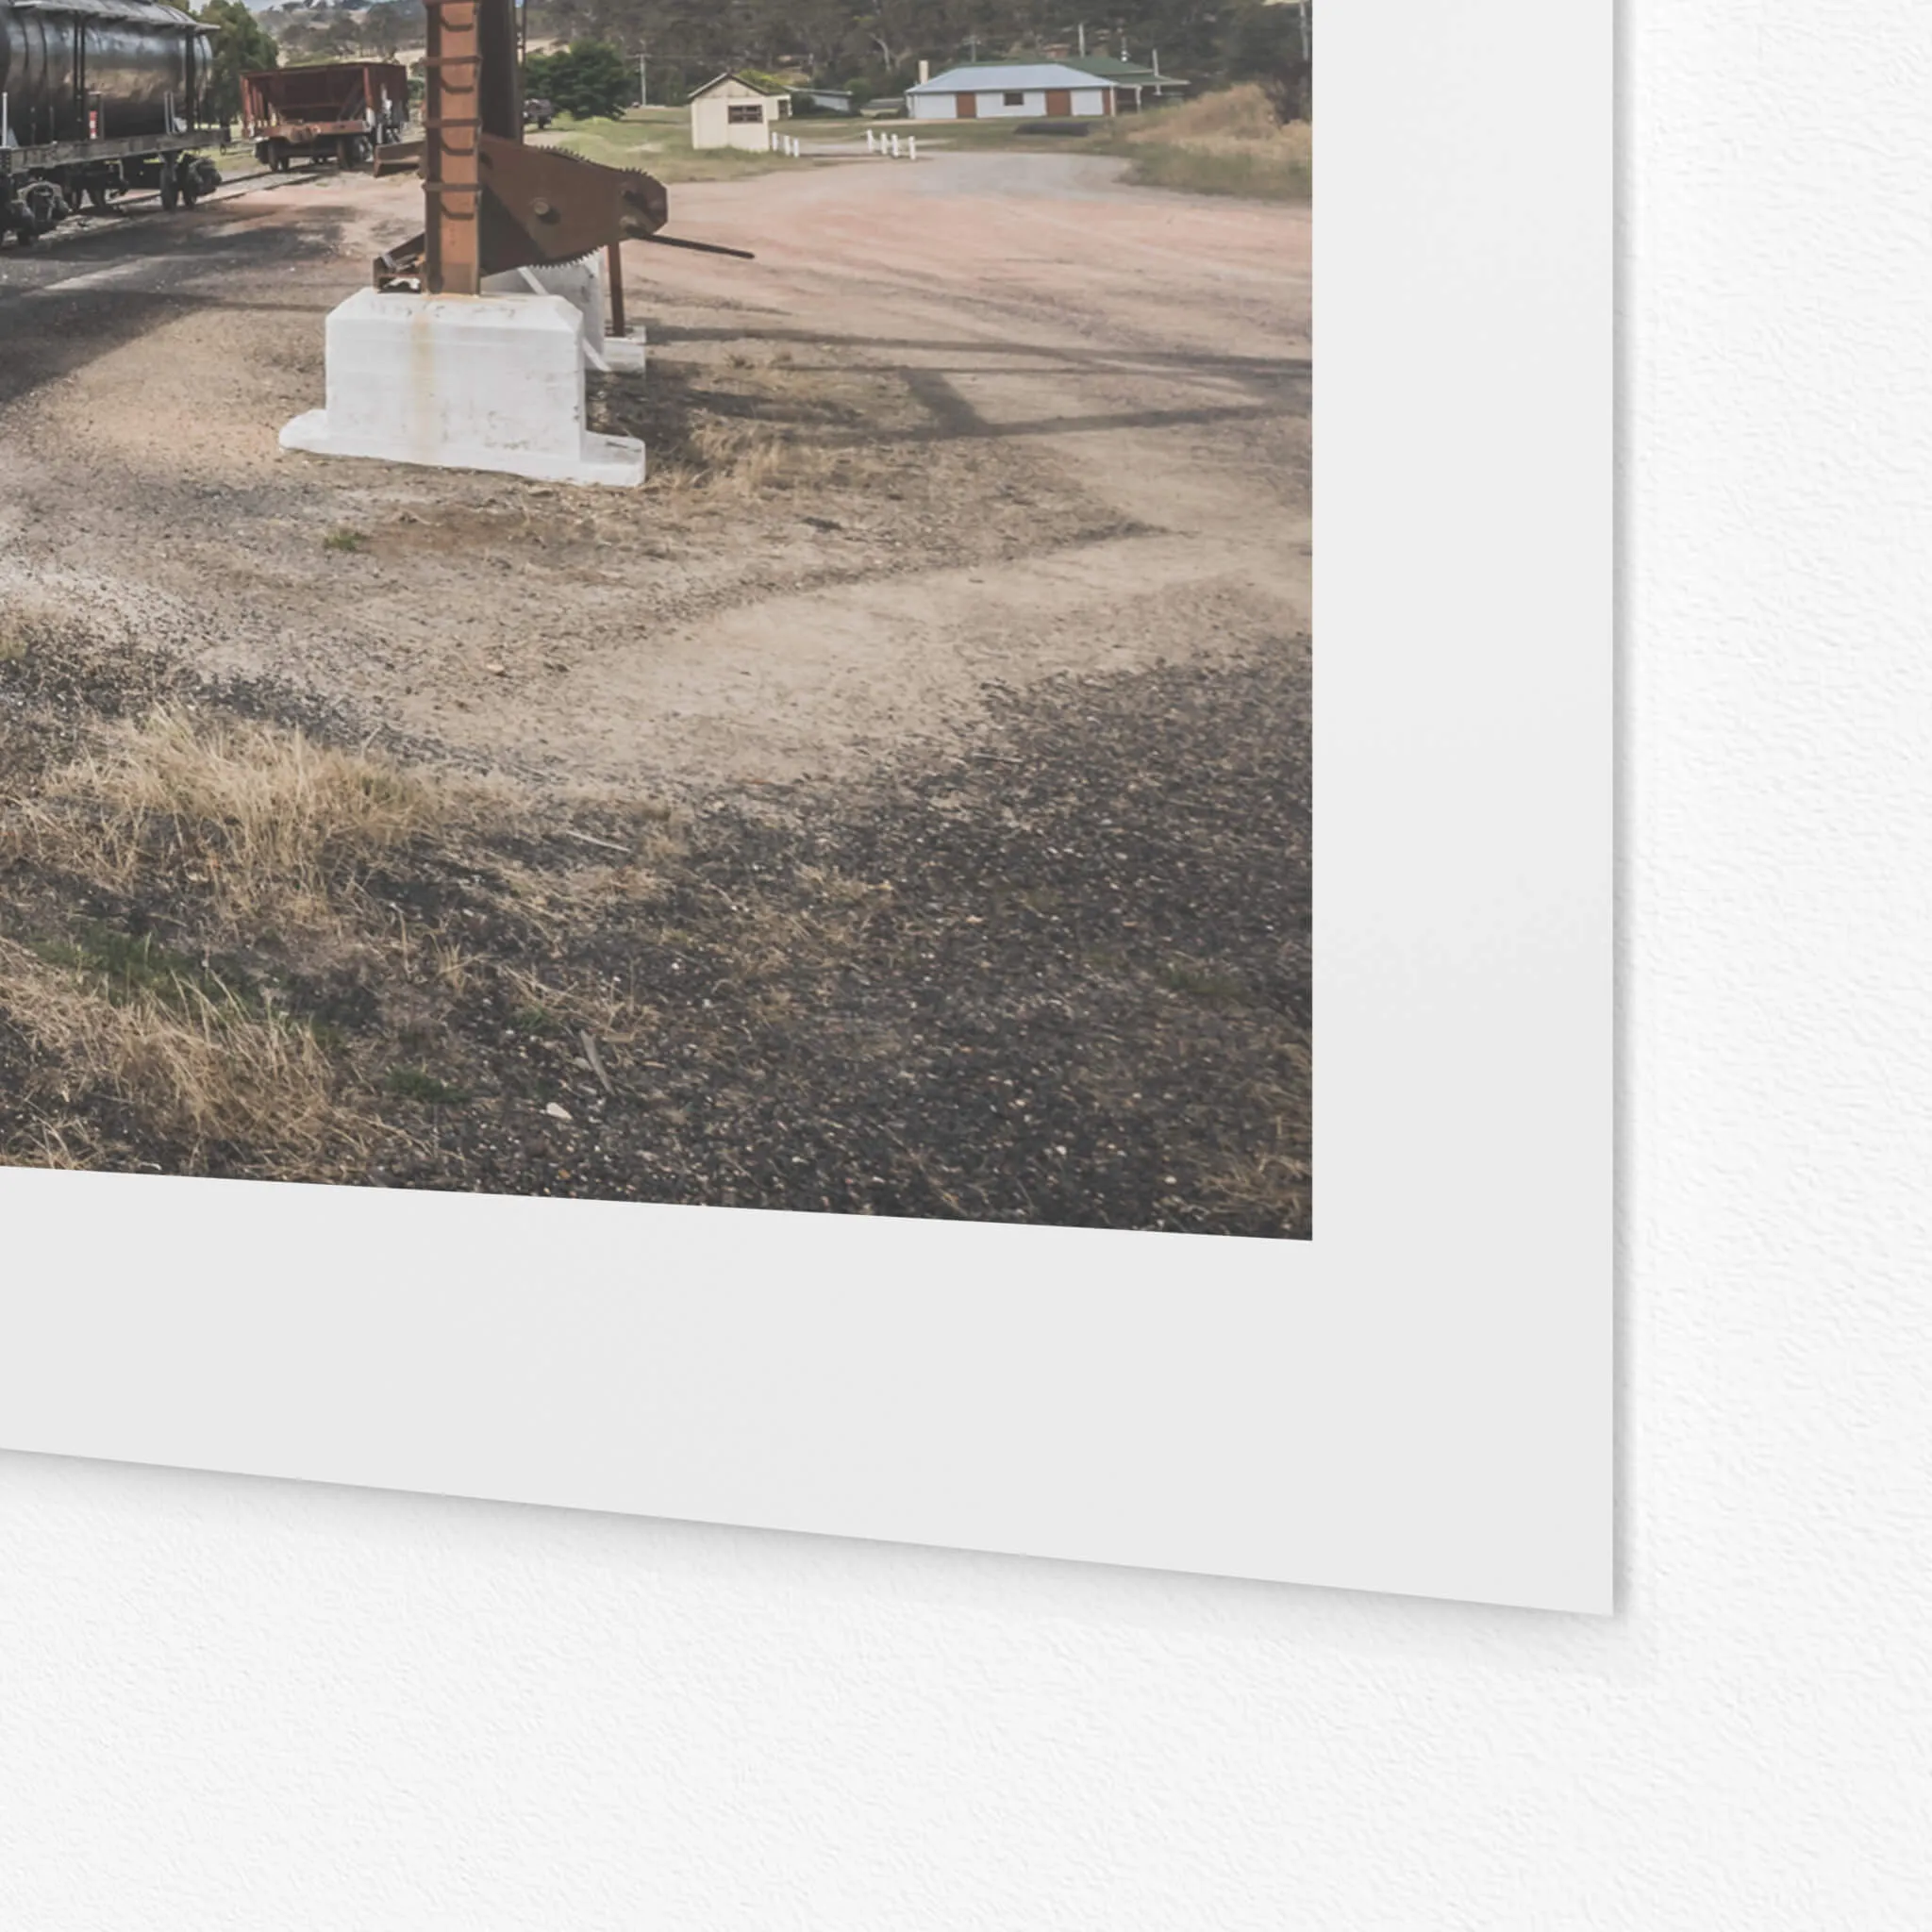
(614, 258)
(491, 203)
(452, 149)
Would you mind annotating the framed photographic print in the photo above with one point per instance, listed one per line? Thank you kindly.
(830, 769)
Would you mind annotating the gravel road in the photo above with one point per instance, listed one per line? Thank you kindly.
(980, 501)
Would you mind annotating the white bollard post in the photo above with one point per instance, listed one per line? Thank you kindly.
(895, 147)
(868, 141)
(913, 147)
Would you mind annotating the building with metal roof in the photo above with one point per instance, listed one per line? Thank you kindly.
(1015, 90)
(1145, 84)
(732, 111)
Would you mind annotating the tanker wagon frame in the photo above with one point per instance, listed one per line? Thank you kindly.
(99, 98)
(339, 111)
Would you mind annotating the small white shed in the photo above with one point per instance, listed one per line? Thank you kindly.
(1041, 88)
(732, 111)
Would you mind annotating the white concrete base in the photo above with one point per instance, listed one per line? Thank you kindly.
(484, 382)
(586, 286)
(620, 355)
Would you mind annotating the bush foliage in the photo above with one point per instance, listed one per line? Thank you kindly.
(242, 46)
(588, 79)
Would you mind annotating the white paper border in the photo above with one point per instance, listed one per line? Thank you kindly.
(1418, 1400)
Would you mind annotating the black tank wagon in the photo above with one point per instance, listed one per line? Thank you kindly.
(98, 98)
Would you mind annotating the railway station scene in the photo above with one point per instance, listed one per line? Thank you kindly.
(627, 602)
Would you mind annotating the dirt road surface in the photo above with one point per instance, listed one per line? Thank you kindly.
(980, 455)
(1083, 411)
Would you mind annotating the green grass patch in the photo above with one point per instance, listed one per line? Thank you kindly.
(657, 139)
(1261, 174)
(347, 540)
(413, 1083)
(1040, 900)
(1197, 980)
(127, 967)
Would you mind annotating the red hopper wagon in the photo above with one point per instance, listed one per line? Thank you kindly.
(341, 112)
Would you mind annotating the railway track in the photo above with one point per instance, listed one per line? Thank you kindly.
(146, 202)
(135, 249)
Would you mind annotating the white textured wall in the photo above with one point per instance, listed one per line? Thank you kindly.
(254, 1706)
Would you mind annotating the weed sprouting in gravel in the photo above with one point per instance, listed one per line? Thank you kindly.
(413, 1083)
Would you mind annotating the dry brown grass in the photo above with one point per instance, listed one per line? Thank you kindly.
(743, 459)
(1227, 142)
(773, 937)
(197, 1068)
(1277, 1185)
(608, 1013)
(1274, 1180)
(27, 618)
(64, 1143)
(1230, 114)
(200, 860)
(244, 829)
(272, 823)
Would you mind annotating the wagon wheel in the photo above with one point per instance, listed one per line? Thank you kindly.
(170, 185)
(97, 196)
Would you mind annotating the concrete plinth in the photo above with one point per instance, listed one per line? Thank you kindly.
(586, 286)
(479, 382)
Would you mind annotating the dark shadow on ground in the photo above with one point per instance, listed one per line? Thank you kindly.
(52, 331)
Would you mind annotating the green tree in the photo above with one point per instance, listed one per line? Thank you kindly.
(242, 46)
(587, 79)
(1274, 46)
(1205, 42)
